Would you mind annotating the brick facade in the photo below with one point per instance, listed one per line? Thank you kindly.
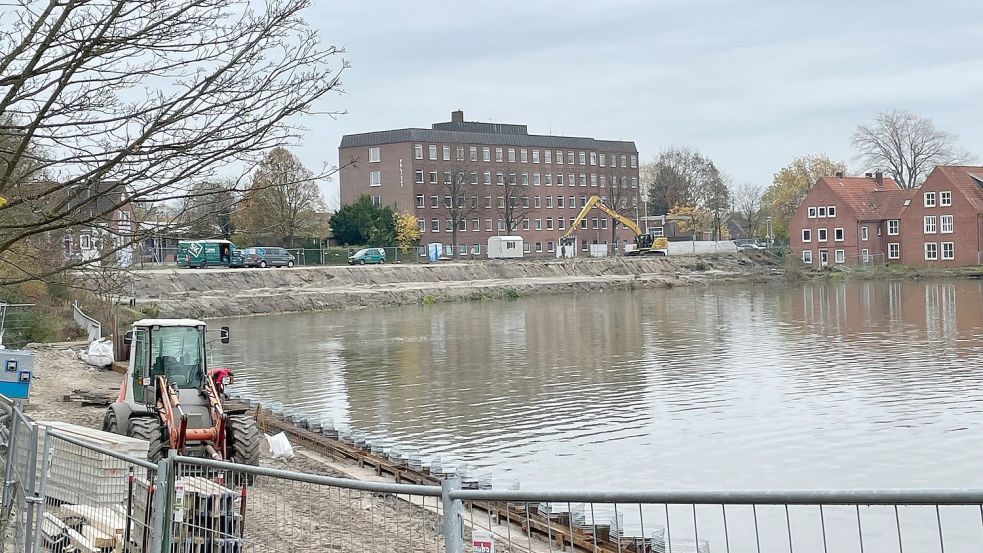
(390, 165)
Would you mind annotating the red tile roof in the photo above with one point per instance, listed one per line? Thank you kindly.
(968, 179)
(867, 199)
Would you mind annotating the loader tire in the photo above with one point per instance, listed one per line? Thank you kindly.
(150, 429)
(109, 422)
(243, 445)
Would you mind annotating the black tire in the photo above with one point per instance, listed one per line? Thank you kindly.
(361, 262)
(150, 429)
(109, 423)
(382, 262)
(290, 264)
(204, 264)
(242, 437)
(262, 264)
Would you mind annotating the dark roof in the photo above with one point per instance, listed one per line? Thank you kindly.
(968, 179)
(510, 138)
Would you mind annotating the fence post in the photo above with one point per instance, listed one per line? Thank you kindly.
(42, 490)
(163, 484)
(453, 516)
(29, 491)
(11, 455)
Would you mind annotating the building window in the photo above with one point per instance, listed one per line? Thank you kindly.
(807, 257)
(512, 179)
(434, 201)
(476, 249)
(432, 150)
(418, 151)
(822, 211)
(474, 153)
(892, 227)
(559, 179)
(523, 156)
(893, 250)
(447, 153)
(420, 201)
(822, 235)
(525, 224)
(487, 178)
(498, 155)
(549, 179)
(634, 161)
(593, 179)
(559, 201)
(550, 247)
(549, 223)
(930, 199)
(536, 179)
(603, 159)
(831, 211)
(561, 223)
(539, 247)
(549, 201)
(500, 178)
(571, 179)
(501, 225)
(569, 158)
(945, 200)
(838, 234)
(537, 202)
(421, 224)
(375, 178)
(460, 153)
(525, 247)
(547, 156)
(603, 181)
(865, 255)
(584, 245)
(447, 177)
(604, 223)
(488, 200)
(594, 223)
(486, 154)
(946, 224)
(593, 158)
(582, 156)
(559, 157)
(863, 232)
(931, 251)
(948, 250)
(511, 155)
(583, 179)
(525, 179)
(525, 201)
(539, 224)
(657, 231)
(434, 225)
(449, 228)
(929, 224)
(583, 223)
(433, 177)
(812, 213)
(374, 154)
(806, 235)
(839, 256)
(583, 201)
(85, 242)
(572, 203)
(624, 161)
(474, 178)
(634, 182)
(488, 225)
(535, 156)
(419, 176)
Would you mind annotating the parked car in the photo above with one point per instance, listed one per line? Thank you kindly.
(268, 257)
(750, 246)
(367, 255)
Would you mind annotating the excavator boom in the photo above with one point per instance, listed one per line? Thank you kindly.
(643, 242)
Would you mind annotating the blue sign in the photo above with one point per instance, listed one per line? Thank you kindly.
(16, 374)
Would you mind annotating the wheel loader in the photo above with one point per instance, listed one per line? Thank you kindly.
(168, 398)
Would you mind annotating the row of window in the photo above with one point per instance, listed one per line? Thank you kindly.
(446, 225)
(822, 235)
(946, 224)
(547, 157)
(945, 199)
(822, 211)
(537, 179)
(931, 251)
(931, 224)
(536, 201)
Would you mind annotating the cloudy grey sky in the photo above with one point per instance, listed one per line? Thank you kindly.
(752, 83)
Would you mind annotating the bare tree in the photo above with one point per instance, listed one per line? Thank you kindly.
(905, 146)
(513, 200)
(460, 184)
(208, 211)
(622, 198)
(748, 205)
(148, 98)
(283, 201)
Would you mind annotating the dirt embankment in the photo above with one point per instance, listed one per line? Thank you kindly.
(237, 292)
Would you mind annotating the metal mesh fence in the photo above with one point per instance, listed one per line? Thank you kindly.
(224, 507)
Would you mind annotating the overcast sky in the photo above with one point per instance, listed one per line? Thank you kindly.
(751, 83)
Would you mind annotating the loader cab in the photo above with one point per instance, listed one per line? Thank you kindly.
(173, 348)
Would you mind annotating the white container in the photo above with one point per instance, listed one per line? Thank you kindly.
(504, 247)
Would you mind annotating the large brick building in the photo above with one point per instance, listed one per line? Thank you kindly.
(849, 220)
(491, 176)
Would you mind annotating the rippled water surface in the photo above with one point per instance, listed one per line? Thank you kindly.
(835, 385)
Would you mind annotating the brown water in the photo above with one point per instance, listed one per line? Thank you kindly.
(822, 385)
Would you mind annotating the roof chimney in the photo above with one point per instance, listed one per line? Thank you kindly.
(839, 174)
(869, 175)
(457, 116)
(879, 178)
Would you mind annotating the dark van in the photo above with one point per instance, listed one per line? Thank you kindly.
(267, 257)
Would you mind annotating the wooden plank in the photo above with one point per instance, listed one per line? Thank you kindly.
(80, 542)
(98, 538)
(102, 518)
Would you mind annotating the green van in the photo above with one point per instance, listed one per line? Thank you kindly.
(368, 255)
(208, 253)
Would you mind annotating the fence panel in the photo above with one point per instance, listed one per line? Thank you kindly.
(93, 498)
(229, 507)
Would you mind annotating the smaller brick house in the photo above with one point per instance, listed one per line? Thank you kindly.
(942, 225)
(845, 220)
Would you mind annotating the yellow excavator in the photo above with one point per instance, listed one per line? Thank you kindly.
(645, 244)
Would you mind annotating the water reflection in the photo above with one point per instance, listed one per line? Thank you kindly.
(858, 384)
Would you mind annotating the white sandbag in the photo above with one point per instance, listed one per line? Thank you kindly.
(280, 446)
(100, 353)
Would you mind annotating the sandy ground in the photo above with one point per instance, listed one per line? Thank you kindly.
(281, 515)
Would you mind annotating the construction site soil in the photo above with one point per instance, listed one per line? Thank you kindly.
(214, 293)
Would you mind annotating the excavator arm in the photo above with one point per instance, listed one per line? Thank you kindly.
(596, 201)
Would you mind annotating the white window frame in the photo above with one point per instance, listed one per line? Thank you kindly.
(547, 156)
(935, 251)
(634, 162)
(582, 157)
(807, 257)
(839, 256)
(929, 224)
(943, 226)
(418, 151)
(896, 253)
(421, 200)
(523, 156)
(896, 224)
(865, 255)
(806, 235)
(535, 156)
(377, 181)
(85, 242)
(593, 158)
(864, 233)
(821, 212)
(499, 155)
(374, 154)
(812, 213)
(822, 235)
(418, 176)
(511, 155)
(485, 154)
(421, 225)
(447, 153)
(839, 231)
(432, 152)
(928, 199)
(952, 250)
(945, 198)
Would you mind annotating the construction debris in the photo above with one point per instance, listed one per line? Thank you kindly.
(90, 398)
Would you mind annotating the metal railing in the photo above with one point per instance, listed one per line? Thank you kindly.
(73, 495)
(92, 327)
